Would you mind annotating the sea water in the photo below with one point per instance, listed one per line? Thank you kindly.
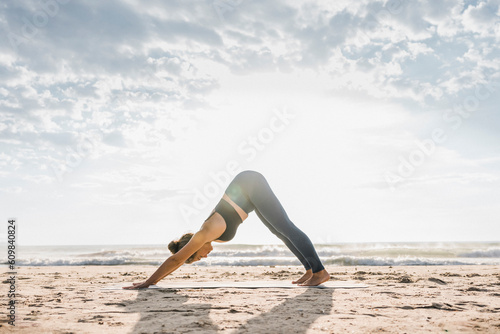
(348, 254)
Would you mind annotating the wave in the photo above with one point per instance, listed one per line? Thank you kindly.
(263, 261)
(489, 253)
(137, 253)
(376, 254)
(345, 261)
(86, 262)
(368, 261)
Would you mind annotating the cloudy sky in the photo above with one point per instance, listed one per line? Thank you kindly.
(122, 122)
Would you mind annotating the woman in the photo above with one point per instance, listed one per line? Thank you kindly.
(249, 191)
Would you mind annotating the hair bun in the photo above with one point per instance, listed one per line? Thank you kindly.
(176, 245)
(173, 246)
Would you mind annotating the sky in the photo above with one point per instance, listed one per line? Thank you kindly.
(122, 122)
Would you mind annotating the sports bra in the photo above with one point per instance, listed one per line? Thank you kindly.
(231, 217)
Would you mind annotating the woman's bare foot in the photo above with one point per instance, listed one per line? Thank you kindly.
(317, 278)
(304, 277)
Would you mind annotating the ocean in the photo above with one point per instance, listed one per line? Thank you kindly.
(348, 254)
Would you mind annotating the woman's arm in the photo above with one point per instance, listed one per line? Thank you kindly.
(178, 259)
(208, 232)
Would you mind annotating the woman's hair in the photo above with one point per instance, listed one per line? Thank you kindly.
(176, 245)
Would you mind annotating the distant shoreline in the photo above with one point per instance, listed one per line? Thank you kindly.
(345, 254)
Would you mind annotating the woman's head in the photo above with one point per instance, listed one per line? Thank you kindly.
(176, 245)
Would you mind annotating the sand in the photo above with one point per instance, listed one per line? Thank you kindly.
(424, 299)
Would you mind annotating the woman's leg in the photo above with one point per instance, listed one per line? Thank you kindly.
(259, 193)
(285, 240)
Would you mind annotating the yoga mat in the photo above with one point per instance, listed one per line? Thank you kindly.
(242, 285)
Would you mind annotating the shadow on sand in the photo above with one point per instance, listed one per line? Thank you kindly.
(170, 311)
(167, 311)
(292, 315)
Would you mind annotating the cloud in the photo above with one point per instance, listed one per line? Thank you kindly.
(90, 70)
(483, 18)
(89, 88)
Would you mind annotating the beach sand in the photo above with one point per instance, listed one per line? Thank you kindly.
(455, 299)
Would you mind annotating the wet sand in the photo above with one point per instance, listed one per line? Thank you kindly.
(423, 299)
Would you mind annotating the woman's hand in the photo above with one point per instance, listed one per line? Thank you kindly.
(142, 285)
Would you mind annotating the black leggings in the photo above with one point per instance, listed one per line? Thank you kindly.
(250, 191)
